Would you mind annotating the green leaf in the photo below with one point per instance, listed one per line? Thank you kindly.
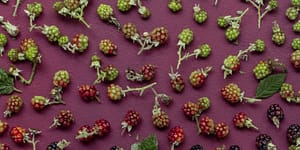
(270, 85)
(149, 143)
(6, 83)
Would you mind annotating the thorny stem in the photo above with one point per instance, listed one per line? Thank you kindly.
(16, 7)
(141, 89)
(251, 100)
(100, 75)
(179, 56)
(27, 82)
(184, 57)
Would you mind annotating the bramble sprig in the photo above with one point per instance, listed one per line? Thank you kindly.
(33, 11)
(29, 137)
(96, 64)
(258, 4)
(234, 21)
(11, 29)
(72, 10)
(16, 6)
(185, 37)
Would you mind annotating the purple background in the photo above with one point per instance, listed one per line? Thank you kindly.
(54, 58)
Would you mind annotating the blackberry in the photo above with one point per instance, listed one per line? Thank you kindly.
(116, 148)
(234, 147)
(275, 114)
(296, 27)
(222, 23)
(293, 134)
(53, 146)
(232, 34)
(292, 13)
(296, 44)
(196, 147)
(264, 142)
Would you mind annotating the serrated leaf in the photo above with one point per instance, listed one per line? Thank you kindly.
(6, 83)
(149, 143)
(270, 85)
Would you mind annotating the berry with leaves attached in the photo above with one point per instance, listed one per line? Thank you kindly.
(200, 15)
(176, 136)
(111, 73)
(102, 127)
(278, 36)
(233, 94)
(3, 127)
(221, 130)
(295, 59)
(293, 134)
(131, 119)
(286, 91)
(13, 105)
(264, 142)
(81, 42)
(198, 77)
(176, 81)
(275, 114)
(88, 93)
(232, 34)
(296, 44)
(108, 47)
(196, 147)
(85, 133)
(63, 119)
(234, 147)
(4, 146)
(61, 78)
(296, 27)
(17, 134)
(206, 125)
(292, 13)
(175, 5)
(241, 120)
(58, 145)
(124, 5)
(129, 30)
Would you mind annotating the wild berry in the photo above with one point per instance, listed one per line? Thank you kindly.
(296, 44)
(198, 77)
(292, 13)
(71, 4)
(233, 94)
(81, 42)
(3, 127)
(124, 5)
(106, 13)
(296, 27)
(51, 32)
(278, 36)
(61, 78)
(107, 47)
(148, 71)
(101, 127)
(131, 119)
(13, 105)
(21, 135)
(260, 45)
(207, 125)
(204, 50)
(204, 103)
(234, 147)
(111, 73)
(295, 3)
(33, 11)
(63, 119)
(192, 111)
(176, 136)
(264, 142)
(3, 41)
(176, 81)
(266, 67)
(40, 102)
(200, 15)
(221, 130)
(116, 148)
(232, 34)
(222, 22)
(286, 91)
(15, 55)
(160, 119)
(293, 134)
(4, 147)
(275, 114)
(88, 93)
(295, 59)
(85, 133)
(241, 120)
(175, 5)
(159, 34)
(129, 30)
(58, 145)
(185, 37)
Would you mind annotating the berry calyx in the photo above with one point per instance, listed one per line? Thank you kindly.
(241, 120)
(275, 114)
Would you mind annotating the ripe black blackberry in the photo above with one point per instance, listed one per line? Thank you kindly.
(196, 147)
(293, 134)
(234, 147)
(116, 148)
(264, 142)
(53, 146)
(275, 114)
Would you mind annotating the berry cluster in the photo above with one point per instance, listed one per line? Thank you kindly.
(21, 135)
(72, 8)
(232, 25)
(208, 127)
(106, 14)
(158, 36)
(126, 5)
(87, 133)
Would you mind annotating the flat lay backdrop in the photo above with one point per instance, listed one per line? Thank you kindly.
(54, 58)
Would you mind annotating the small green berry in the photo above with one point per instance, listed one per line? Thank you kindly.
(260, 45)
(292, 13)
(261, 70)
(222, 23)
(200, 15)
(175, 5)
(72, 4)
(273, 4)
(3, 40)
(278, 36)
(32, 54)
(124, 5)
(58, 5)
(105, 12)
(232, 34)
(296, 44)
(295, 3)
(13, 55)
(296, 27)
(63, 40)
(35, 9)
(204, 51)
(186, 36)
(52, 33)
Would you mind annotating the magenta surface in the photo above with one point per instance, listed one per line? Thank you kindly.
(54, 58)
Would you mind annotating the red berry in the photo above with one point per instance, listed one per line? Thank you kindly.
(102, 127)
(131, 119)
(176, 136)
(39, 102)
(159, 34)
(3, 127)
(4, 147)
(176, 82)
(198, 77)
(13, 105)
(85, 133)
(221, 130)
(192, 110)
(63, 119)
(17, 134)
(160, 119)
(206, 125)
(241, 120)
(148, 71)
(88, 93)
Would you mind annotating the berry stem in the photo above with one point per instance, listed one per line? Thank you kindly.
(141, 89)
(17, 90)
(172, 146)
(259, 16)
(18, 2)
(251, 100)
(27, 82)
(179, 56)
(197, 123)
(184, 57)
(81, 19)
(115, 22)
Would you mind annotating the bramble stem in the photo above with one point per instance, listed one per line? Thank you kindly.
(179, 56)
(16, 7)
(197, 124)
(141, 89)
(27, 82)
(251, 100)
(81, 19)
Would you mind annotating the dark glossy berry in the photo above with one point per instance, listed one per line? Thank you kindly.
(275, 114)
(234, 147)
(293, 134)
(264, 142)
(196, 147)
